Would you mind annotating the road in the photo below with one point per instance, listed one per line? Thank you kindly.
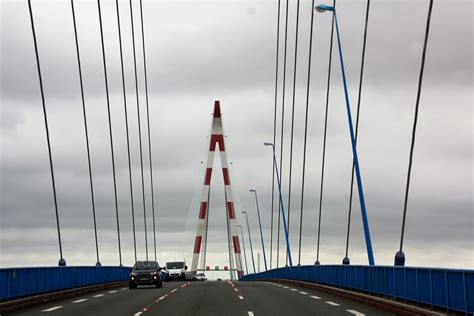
(205, 298)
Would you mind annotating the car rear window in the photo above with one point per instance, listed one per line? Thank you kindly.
(174, 265)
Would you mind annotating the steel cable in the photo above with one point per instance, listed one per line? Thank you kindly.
(306, 128)
(325, 133)
(48, 141)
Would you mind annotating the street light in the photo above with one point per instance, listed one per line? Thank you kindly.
(282, 207)
(260, 224)
(323, 8)
(243, 246)
(250, 239)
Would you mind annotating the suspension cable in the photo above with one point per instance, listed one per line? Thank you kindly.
(139, 127)
(274, 127)
(282, 125)
(85, 127)
(148, 123)
(306, 128)
(62, 262)
(293, 119)
(346, 258)
(126, 128)
(110, 131)
(415, 121)
(325, 133)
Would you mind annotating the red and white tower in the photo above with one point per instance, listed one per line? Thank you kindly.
(217, 141)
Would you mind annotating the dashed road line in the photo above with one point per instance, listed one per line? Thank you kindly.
(332, 303)
(286, 287)
(294, 289)
(354, 312)
(52, 309)
(315, 297)
(304, 293)
(137, 314)
(99, 295)
(114, 291)
(250, 313)
(124, 288)
(241, 297)
(80, 301)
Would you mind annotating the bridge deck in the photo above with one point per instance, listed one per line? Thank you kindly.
(205, 298)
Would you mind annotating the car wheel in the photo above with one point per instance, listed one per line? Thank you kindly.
(132, 286)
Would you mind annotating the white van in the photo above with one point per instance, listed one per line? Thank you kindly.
(175, 270)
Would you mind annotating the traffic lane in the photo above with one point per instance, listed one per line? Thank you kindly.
(118, 301)
(200, 298)
(267, 298)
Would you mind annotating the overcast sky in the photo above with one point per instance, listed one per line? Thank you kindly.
(201, 51)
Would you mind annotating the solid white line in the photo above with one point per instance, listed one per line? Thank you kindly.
(332, 303)
(355, 312)
(98, 295)
(52, 309)
(241, 297)
(304, 293)
(294, 289)
(315, 297)
(80, 301)
(250, 313)
(114, 291)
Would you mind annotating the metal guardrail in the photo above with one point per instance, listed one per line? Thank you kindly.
(449, 289)
(23, 282)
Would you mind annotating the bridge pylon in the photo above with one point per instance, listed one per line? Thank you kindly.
(217, 142)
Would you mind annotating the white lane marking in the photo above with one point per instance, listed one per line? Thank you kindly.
(161, 298)
(250, 313)
(111, 292)
(304, 293)
(236, 290)
(355, 312)
(315, 297)
(294, 289)
(98, 295)
(332, 303)
(137, 314)
(80, 301)
(124, 288)
(286, 287)
(52, 309)
(241, 297)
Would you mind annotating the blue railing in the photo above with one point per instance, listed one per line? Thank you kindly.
(22, 282)
(450, 289)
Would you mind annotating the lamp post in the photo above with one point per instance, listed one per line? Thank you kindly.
(243, 246)
(368, 242)
(250, 239)
(282, 207)
(260, 224)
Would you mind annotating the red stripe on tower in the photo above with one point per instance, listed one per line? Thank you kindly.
(217, 139)
(197, 244)
(217, 109)
(225, 172)
(202, 212)
(207, 178)
(235, 240)
(230, 210)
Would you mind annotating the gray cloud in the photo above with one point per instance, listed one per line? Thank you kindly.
(201, 51)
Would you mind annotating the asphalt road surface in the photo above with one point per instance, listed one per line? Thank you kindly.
(205, 298)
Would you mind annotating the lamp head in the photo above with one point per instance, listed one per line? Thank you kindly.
(244, 212)
(252, 190)
(268, 144)
(323, 8)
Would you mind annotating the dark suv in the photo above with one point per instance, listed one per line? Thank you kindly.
(146, 273)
